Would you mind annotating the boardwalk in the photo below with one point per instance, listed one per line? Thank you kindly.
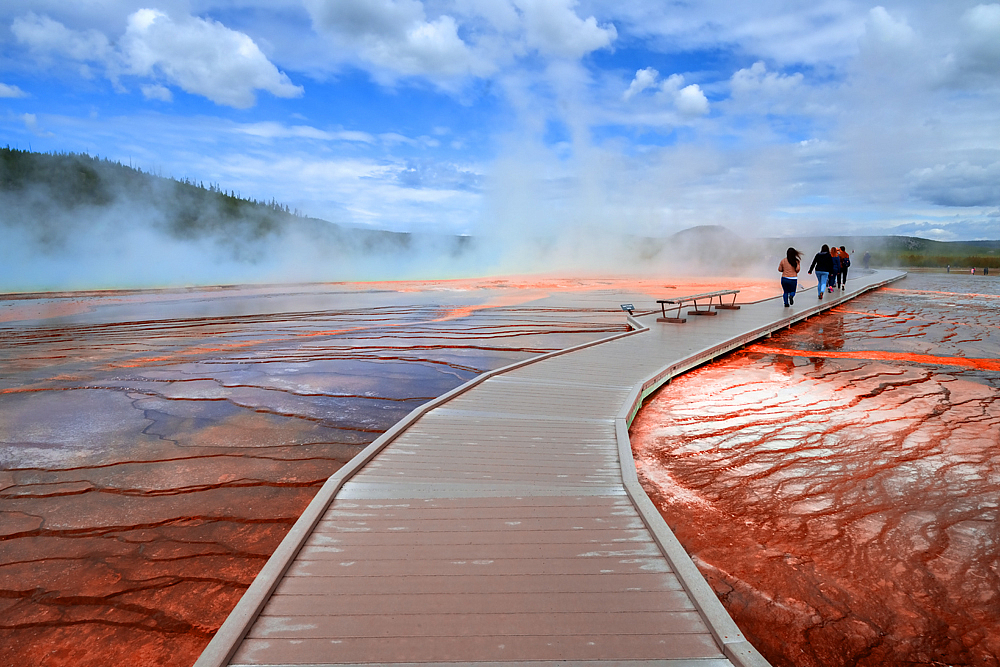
(503, 523)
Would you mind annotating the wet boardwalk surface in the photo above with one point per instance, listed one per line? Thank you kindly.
(502, 523)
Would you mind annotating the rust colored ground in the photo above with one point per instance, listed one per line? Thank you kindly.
(839, 485)
(156, 446)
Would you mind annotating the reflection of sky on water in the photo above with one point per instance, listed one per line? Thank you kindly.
(844, 505)
(154, 449)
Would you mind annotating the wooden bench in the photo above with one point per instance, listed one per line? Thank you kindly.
(694, 299)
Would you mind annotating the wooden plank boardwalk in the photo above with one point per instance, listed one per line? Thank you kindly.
(503, 523)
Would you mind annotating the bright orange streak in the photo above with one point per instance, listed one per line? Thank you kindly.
(979, 364)
(927, 291)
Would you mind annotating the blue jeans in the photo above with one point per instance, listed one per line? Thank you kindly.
(823, 278)
(788, 287)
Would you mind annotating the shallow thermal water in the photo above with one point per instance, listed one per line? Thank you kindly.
(839, 483)
(156, 447)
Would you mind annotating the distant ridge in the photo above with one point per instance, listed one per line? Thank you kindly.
(50, 193)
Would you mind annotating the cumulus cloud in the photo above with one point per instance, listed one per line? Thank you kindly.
(402, 37)
(200, 56)
(47, 37)
(11, 91)
(756, 80)
(553, 27)
(689, 101)
(644, 78)
(396, 35)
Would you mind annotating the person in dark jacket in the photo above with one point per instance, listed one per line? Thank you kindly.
(823, 263)
(845, 263)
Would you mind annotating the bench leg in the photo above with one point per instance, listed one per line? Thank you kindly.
(673, 320)
(727, 306)
(707, 311)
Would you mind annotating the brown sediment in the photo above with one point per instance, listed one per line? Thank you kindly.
(150, 465)
(842, 501)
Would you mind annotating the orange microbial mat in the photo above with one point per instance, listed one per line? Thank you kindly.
(838, 484)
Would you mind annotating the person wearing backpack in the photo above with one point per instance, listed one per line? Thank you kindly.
(845, 263)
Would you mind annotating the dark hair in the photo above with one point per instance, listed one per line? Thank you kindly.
(843, 248)
(793, 257)
(825, 248)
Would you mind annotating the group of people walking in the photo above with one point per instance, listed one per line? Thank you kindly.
(830, 266)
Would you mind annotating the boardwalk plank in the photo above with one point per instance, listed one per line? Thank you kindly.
(475, 649)
(430, 624)
(489, 567)
(465, 583)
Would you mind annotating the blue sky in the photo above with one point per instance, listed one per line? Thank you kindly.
(773, 118)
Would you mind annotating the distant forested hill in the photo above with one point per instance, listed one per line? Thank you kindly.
(70, 220)
(53, 194)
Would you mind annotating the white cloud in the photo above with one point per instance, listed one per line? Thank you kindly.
(45, 36)
(885, 31)
(395, 35)
(691, 101)
(272, 130)
(553, 28)
(201, 56)
(644, 78)
(404, 38)
(11, 91)
(756, 80)
(154, 91)
(824, 31)
(891, 50)
(755, 89)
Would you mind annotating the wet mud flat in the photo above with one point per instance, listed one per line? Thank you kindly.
(839, 483)
(156, 447)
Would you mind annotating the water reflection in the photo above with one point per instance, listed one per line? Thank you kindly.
(838, 485)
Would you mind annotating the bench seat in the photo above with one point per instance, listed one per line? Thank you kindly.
(693, 299)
